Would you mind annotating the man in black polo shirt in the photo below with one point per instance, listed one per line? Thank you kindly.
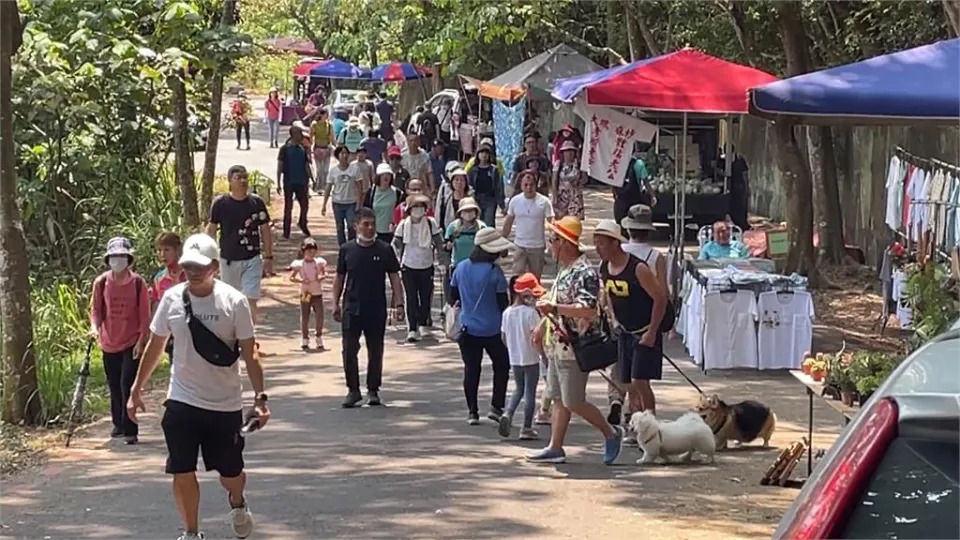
(243, 221)
(362, 266)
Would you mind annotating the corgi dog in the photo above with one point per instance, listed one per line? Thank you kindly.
(742, 422)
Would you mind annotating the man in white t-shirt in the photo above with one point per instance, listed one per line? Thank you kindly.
(204, 406)
(531, 211)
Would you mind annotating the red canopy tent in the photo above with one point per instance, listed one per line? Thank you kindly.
(683, 81)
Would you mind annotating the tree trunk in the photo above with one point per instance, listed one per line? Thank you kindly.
(653, 49)
(828, 191)
(793, 166)
(184, 157)
(633, 33)
(213, 132)
(952, 9)
(21, 400)
(738, 18)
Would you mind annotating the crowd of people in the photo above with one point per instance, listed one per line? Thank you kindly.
(400, 216)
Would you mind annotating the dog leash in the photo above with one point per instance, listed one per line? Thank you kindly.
(620, 388)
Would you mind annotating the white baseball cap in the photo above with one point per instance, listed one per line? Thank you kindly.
(200, 249)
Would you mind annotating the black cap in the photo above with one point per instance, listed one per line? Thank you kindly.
(438, 142)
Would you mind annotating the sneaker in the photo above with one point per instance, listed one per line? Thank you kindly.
(495, 414)
(614, 416)
(352, 400)
(426, 332)
(611, 447)
(473, 419)
(191, 536)
(529, 434)
(130, 439)
(505, 426)
(373, 399)
(319, 343)
(241, 520)
(413, 336)
(116, 432)
(305, 344)
(547, 455)
(543, 418)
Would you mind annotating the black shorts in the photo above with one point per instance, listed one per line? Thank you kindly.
(190, 430)
(636, 362)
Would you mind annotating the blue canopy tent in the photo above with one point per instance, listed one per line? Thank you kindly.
(337, 69)
(915, 86)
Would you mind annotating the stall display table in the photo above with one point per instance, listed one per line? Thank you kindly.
(817, 388)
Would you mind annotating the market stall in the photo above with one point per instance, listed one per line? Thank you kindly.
(685, 82)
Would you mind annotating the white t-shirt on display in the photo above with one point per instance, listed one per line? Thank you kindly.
(786, 328)
(193, 380)
(729, 335)
(517, 325)
(529, 220)
(894, 194)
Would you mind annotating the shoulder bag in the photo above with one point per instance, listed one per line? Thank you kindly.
(593, 351)
(208, 344)
(451, 324)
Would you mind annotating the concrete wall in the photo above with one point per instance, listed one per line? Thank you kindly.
(862, 157)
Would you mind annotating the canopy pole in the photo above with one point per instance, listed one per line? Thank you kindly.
(728, 152)
(676, 187)
(683, 193)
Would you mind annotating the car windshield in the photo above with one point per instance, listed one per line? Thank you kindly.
(924, 373)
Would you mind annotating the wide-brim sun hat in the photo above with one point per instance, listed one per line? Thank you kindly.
(608, 228)
(467, 203)
(639, 218)
(570, 229)
(451, 166)
(528, 283)
(457, 172)
(200, 249)
(490, 240)
(486, 144)
(353, 122)
(119, 246)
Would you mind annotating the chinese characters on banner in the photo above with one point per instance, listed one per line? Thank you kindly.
(609, 142)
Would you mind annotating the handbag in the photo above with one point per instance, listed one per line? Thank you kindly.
(208, 345)
(593, 351)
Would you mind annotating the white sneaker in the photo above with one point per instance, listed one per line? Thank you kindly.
(413, 337)
(319, 342)
(242, 521)
(305, 344)
(191, 536)
(426, 331)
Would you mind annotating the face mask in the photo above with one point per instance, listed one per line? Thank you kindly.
(118, 264)
(417, 212)
(469, 215)
(366, 239)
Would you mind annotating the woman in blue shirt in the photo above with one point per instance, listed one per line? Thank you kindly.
(480, 287)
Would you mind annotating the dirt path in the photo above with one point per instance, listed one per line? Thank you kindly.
(412, 469)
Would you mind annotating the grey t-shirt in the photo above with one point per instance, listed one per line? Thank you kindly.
(193, 380)
(344, 182)
(417, 165)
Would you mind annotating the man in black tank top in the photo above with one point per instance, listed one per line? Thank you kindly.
(637, 303)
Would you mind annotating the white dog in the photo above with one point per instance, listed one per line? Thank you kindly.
(685, 435)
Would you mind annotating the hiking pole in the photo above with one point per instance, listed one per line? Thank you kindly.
(76, 405)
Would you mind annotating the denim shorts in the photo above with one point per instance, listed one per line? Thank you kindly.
(243, 276)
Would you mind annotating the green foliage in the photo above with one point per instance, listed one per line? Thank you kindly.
(869, 369)
(928, 292)
(262, 69)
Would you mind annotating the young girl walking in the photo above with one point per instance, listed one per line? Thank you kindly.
(519, 322)
(309, 271)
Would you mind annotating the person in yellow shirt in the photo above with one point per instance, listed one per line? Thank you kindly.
(321, 132)
(488, 144)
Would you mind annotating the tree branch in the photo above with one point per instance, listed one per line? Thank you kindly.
(738, 19)
(648, 39)
(584, 43)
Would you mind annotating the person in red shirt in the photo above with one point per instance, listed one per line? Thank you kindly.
(120, 319)
(414, 187)
(273, 108)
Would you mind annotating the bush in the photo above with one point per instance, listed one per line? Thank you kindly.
(261, 70)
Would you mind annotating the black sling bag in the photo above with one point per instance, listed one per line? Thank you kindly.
(208, 344)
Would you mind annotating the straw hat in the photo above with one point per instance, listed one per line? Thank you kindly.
(353, 122)
(610, 229)
(569, 228)
(417, 200)
(490, 240)
(639, 218)
(467, 203)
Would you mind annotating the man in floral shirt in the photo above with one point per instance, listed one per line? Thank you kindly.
(573, 300)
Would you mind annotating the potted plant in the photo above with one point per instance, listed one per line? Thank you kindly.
(808, 360)
(869, 370)
(817, 370)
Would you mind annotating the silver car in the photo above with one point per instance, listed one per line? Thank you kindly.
(893, 471)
